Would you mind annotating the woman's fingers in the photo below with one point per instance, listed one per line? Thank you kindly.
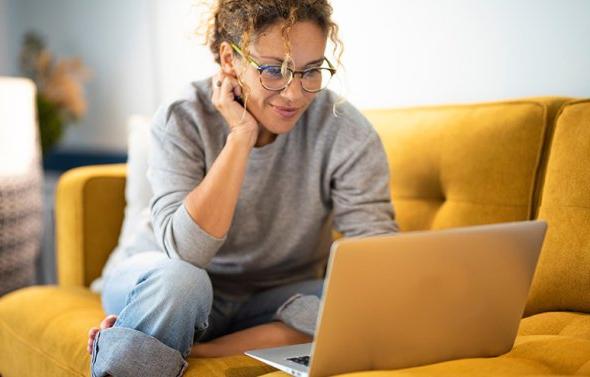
(238, 90)
(216, 80)
(225, 101)
(237, 117)
(223, 86)
(228, 89)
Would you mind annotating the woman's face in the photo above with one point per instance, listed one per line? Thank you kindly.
(278, 111)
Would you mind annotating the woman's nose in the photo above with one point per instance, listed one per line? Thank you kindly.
(294, 90)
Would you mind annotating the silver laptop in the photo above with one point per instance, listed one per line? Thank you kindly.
(415, 298)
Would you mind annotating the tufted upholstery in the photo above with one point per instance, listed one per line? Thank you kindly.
(464, 164)
(451, 166)
(562, 280)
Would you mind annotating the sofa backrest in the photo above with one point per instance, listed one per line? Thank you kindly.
(89, 208)
(562, 278)
(450, 166)
(460, 165)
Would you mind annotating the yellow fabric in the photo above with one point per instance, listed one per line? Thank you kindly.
(548, 344)
(44, 329)
(562, 279)
(464, 164)
(553, 106)
(90, 202)
(44, 332)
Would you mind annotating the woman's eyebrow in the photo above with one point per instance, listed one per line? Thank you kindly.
(280, 61)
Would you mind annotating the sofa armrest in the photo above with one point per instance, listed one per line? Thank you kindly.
(89, 208)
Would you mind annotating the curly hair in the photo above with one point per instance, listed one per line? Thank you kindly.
(242, 21)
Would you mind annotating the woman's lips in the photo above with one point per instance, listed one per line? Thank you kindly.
(285, 112)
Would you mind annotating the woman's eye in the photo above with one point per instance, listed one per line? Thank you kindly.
(312, 73)
(274, 72)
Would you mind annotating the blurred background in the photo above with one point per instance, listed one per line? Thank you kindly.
(397, 53)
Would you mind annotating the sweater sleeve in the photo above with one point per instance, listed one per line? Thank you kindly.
(176, 166)
(360, 187)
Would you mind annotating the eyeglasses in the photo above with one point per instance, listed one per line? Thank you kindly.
(272, 77)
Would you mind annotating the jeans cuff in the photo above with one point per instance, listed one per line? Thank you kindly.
(123, 352)
(300, 312)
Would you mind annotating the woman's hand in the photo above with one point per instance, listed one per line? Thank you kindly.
(243, 125)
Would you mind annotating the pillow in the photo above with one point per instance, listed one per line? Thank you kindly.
(138, 191)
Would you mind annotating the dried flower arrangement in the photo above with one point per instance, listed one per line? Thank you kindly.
(60, 95)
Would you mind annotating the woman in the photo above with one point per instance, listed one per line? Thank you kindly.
(249, 171)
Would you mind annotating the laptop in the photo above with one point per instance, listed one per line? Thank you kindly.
(414, 298)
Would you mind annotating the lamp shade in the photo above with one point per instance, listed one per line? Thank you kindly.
(20, 184)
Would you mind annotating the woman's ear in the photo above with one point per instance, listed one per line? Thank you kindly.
(226, 59)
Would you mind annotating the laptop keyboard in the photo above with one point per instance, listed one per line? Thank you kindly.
(304, 360)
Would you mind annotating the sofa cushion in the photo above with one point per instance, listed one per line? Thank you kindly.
(43, 332)
(464, 164)
(562, 279)
(548, 344)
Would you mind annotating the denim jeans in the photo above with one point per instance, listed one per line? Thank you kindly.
(165, 305)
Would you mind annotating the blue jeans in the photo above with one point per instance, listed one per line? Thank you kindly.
(165, 305)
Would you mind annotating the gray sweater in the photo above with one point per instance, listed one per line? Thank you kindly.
(328, 171)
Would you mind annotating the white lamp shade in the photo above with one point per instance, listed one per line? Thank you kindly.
(18, 126)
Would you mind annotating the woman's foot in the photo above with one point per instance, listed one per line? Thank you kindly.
(272, 334)
(106, 323)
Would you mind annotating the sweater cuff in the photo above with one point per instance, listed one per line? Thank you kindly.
(193, 244)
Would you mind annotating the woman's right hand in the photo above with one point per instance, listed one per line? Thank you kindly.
(243, 126)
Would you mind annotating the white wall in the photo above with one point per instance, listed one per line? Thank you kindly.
(179, 51)
(114, 39)
(441, 51)
(6, 61)
(397, 52)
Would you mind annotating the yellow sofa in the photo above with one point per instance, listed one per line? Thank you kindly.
(450, 166)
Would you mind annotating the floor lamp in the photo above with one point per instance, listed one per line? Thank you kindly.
(20, 184)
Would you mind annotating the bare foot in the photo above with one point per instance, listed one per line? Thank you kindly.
(106, 323)
(272, 334)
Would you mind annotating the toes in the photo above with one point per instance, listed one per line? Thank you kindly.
(109, 321)
(90, 345)
(91, 336)
(92, 332)
(106, 323)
